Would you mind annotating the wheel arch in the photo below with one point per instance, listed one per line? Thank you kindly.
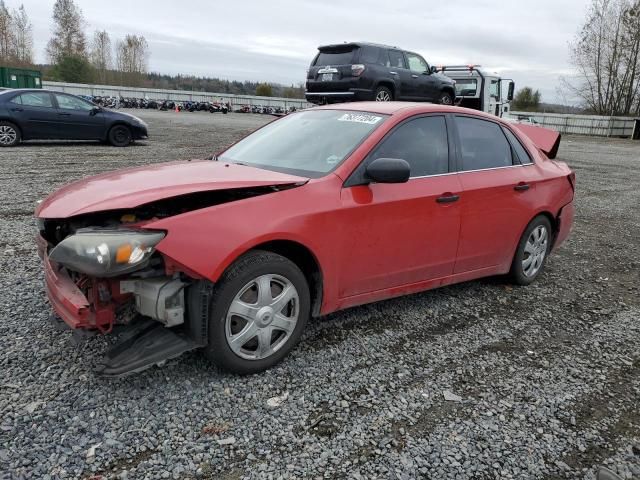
(389, 84)
(304, 258)
(13, 122)
(299, 254)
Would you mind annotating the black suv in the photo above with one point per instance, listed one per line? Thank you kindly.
(366, 71)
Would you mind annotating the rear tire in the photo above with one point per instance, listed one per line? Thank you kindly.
(445, 98)
(9, 134)
(533, 250)
(120, 136)
(267, 329)
(383, 94)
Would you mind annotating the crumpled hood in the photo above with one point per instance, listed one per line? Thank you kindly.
(133, 187)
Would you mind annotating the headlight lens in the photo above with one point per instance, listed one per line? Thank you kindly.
(106, 253)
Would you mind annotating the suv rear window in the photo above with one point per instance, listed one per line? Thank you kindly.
(335, 57)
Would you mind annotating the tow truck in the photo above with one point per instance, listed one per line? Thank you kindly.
(478, 90)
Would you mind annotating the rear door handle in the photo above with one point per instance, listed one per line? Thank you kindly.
(393, 73)
(521, 187)
(17, 109)
(414, 76)
(64, 113)
(448, 198)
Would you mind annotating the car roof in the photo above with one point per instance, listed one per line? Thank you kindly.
(356, 44)
(23, 90)
(402, 108)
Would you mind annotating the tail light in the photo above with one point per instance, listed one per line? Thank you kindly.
(356, 70)
(572, 180)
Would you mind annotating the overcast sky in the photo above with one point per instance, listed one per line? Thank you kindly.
(275, 40)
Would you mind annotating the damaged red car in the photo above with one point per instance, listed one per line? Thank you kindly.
(318, 211)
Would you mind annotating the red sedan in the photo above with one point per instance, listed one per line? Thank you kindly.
(317, 211)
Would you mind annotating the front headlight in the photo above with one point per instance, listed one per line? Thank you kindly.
(106, 253)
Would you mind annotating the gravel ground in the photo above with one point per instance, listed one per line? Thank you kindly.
(475, 381)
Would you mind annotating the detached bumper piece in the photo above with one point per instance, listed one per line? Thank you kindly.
(144, 344)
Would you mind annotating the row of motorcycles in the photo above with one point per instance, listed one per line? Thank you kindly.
(187, 106)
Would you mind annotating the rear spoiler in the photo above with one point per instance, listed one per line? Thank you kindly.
(546, 140)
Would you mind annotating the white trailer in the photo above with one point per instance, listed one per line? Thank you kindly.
(478, 90)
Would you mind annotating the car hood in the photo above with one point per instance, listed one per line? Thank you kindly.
(133, 187)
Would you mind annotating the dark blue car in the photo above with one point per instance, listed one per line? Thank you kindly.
(37, 114)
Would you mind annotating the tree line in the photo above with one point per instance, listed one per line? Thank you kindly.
(16, 36)
(72, 57)
(606, 56)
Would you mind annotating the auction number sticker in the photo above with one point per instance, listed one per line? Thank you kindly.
(359, 118)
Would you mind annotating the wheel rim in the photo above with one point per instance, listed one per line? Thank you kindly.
(534, 251)
(383, 96)
(445, 100)
(8, 135)
(121, 135)
(262, 317)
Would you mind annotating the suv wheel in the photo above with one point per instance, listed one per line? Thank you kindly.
(383, 94)
(445, 98)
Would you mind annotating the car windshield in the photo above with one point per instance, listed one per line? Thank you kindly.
(310, 143)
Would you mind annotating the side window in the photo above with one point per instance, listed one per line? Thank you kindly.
(34, 99)
(521, 152)
(369, 55)
(417, 63)
(494, 89)
(396, 59)
(483, 144)
(17, 99)
(422, 142)
(72, 103)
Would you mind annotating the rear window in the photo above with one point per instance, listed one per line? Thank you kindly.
(335, 57)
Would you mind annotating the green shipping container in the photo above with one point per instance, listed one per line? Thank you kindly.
(20, 78)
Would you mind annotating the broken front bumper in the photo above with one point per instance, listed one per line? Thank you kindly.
(71, 304)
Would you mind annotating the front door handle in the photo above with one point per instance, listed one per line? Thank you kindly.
(64, 114)
(17, 109)
(393, 73)
(521, 187)
(448, 198)
(414, 76)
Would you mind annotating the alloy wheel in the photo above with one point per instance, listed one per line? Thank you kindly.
(445, 100)
(8, 135)
(262, 317)
(383, 96)
(535, 251)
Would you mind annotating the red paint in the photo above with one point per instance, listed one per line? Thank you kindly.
(137, 186)
(371, 242)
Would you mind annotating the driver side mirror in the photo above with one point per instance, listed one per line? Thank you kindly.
(388, 170)
(432, 70)
(95, 110)
(512, 87)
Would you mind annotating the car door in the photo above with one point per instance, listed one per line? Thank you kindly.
(498, 194)
(401, 75)
(79, 118)
(36, 115)
(401, 234)
(424, 84)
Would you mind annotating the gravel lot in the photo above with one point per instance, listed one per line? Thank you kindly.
(481, 380)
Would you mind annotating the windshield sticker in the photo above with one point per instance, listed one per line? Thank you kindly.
(359, 118)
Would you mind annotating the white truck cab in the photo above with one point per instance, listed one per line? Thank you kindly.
(478, 90)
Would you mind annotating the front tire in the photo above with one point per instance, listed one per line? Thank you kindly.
(119, 136)
(258, 312)
(9, 134)
(383, 94)
(533, 250)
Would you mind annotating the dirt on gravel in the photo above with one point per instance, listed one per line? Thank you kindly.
(547, 375)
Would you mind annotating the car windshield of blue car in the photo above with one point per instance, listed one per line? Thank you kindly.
(310, 143)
